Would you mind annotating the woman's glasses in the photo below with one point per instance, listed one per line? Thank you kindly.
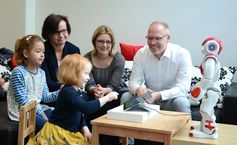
(63, 31)
(102, 42)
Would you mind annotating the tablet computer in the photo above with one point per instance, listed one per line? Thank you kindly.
(134, 103)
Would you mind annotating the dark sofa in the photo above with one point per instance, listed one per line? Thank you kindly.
(230, 105)
(8, 129)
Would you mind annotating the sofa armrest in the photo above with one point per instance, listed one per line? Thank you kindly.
(230, 105)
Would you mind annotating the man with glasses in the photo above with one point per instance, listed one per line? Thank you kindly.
(164, 69)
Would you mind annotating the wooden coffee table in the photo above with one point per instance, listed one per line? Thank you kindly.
(159, 128)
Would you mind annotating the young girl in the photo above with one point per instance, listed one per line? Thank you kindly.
(28, 81)
(67, 124)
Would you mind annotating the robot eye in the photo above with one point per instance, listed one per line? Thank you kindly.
(212, 46)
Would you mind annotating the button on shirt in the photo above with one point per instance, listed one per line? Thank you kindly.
(170, 75)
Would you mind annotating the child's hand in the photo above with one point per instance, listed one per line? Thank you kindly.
(87, 134)
(107, 98)
(44, 116)
(112, 96)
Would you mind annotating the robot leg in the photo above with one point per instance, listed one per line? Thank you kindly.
(207, 127)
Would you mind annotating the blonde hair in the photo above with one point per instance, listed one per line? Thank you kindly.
(103, 29)
(70, 69)
(25, 43)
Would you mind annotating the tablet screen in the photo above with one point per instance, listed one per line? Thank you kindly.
(136, 101)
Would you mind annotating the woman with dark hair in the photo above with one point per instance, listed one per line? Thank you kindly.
(55, 31)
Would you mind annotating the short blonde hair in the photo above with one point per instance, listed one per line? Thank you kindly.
(164, 24)
(25, 43)
(70, 69)
(103, 29)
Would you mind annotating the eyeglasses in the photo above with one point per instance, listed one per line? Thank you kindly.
(155, 38)
(63, 31)
(102, 42)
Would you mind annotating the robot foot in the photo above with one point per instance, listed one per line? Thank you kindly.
(195, 127)
(199, 134)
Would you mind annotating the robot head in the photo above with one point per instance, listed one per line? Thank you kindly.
(212, 46)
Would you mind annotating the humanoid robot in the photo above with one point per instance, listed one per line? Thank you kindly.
(207, 90)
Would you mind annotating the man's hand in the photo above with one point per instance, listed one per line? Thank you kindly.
(142, 90)
(155, 96)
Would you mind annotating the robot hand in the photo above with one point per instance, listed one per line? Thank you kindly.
(199, 90)
(197, 93)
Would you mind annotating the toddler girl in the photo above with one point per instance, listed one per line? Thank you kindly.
(67, 124)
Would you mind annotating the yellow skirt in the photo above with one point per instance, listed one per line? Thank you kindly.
(52, 134)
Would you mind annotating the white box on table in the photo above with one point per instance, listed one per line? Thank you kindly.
(118, 113)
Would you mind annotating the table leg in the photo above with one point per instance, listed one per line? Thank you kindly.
(125, 141)
(95, 135)
(168, 140)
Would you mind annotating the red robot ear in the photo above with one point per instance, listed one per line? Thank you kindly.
(214, 39)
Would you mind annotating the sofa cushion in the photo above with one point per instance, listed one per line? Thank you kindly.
(129, 51)
(5, 72)
(224, 82)
(127, 72)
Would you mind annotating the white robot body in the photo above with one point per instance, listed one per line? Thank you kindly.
(207, 90)
(211, 66)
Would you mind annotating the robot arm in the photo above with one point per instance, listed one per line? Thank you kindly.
(209, 68)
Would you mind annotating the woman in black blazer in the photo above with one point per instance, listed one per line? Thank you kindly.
(55, 31)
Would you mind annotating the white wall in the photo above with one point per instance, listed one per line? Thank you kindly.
(30, 16)
(12, 22)
(190, 21)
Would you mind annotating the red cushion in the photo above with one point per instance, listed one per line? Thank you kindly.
(129, 51)
(12, 62)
